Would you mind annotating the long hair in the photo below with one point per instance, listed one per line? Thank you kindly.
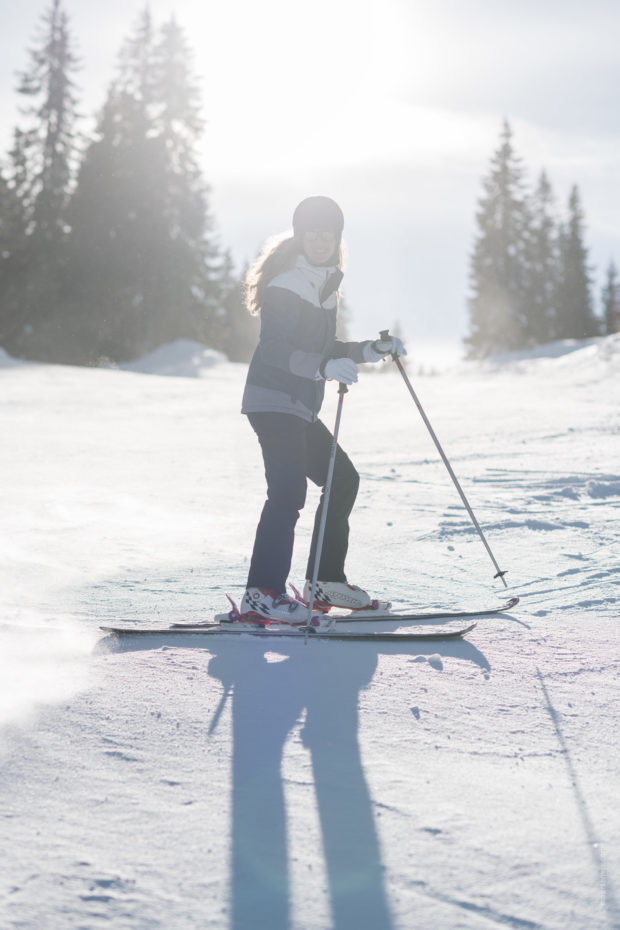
(278, 255)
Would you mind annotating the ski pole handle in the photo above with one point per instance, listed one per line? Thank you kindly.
(384, 336)
(342, 388)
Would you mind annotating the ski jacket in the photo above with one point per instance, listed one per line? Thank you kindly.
(297, 337)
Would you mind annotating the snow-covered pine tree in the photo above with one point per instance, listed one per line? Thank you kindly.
(576, 319)
(498, 271)
(40, 176)
(610, 300)
(543, 261)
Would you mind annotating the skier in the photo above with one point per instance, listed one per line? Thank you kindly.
(293, 285)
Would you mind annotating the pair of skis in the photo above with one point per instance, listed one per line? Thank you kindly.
(215, 628)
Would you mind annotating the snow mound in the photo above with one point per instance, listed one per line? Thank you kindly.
(595, 358)
(7, 361)
(183, 358)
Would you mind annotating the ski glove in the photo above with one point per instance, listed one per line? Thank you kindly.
(375, 351)
(340, 369)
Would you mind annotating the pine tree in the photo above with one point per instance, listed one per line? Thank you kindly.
(40, 177)
(499, 260)
(241, 330)
(8, 202)
(192, 274)
(576, 319)
(12, 266)
(610, 299)
(112, 214)
(49, 143)
(146, 268)
(540, 304)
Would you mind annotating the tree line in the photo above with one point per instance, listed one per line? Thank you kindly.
(107, 243)
(530, 278)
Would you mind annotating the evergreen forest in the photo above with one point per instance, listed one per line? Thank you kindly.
(530, 277)
(107, 244)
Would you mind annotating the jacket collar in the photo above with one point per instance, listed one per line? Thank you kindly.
(324, 278)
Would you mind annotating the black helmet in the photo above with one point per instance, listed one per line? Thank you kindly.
(318, 214)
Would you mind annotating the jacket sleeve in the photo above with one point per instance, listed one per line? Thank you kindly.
(279, 319)
(353, 350)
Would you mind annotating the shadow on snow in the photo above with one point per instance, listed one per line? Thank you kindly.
(268, 698)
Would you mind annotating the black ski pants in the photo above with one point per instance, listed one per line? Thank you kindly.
(293, 451)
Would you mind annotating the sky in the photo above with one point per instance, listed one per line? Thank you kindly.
(394, 108)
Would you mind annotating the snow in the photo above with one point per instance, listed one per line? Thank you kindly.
(6, 361)
(182, 358)
(242, 785)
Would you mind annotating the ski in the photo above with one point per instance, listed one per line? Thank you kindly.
(376, 616)
(353, 616)
(229, 629)
(211, 627)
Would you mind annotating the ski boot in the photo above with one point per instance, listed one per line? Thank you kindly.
(342, 595)
(262, 607)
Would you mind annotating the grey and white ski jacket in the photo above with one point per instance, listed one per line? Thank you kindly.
(297, 337)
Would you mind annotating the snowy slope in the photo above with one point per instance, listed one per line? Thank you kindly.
(247, 785)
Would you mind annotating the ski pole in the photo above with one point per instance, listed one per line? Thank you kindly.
(385, 336)
(342, 390)
(219, 709)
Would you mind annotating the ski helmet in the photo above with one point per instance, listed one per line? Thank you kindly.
(318, 213)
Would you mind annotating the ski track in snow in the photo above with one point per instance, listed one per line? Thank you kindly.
(246, 785)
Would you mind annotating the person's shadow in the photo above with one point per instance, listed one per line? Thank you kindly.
(268, 698)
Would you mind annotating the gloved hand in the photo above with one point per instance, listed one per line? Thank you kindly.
(343, 370)
(375, 351)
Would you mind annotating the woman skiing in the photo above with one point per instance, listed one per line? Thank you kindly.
(293, 285)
